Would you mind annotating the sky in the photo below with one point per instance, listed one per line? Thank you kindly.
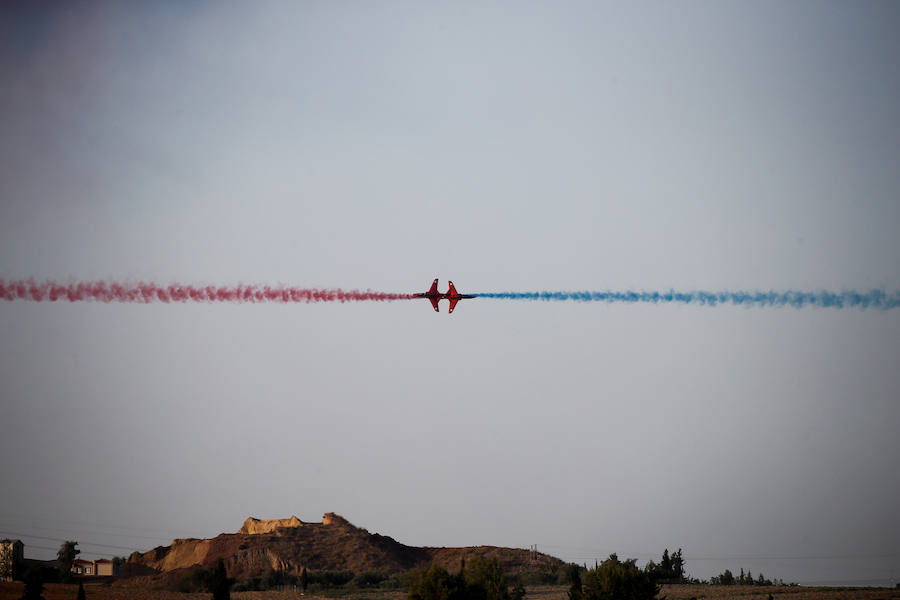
(508, 146)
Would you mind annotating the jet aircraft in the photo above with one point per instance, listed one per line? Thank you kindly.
(435, 296)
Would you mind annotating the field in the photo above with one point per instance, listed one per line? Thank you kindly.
(13, 591)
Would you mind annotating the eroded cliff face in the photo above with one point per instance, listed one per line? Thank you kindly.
(180, 553)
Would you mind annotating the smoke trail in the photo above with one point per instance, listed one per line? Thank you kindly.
(797, 299)
(145, 293)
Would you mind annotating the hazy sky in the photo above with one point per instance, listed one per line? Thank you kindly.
(507, 146)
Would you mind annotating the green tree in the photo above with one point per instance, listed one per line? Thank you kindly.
(218, 583)
(369, 579)
(678, 565)
(724, 578)
(273, 580)
(65, 558)
(575, 589)
(435, 583)
(665, 564)
(618, 580)
(485, 580)
(670, 568)
(118, 563)
(34, 584)
(478, 579)
(517, 593)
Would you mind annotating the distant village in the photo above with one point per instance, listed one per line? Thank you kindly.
(13, 563)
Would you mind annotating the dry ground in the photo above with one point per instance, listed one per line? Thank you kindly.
(13, 591)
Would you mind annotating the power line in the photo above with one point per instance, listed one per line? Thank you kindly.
(33, 547)
(51, 539)
(819, 557)
(30, 518)
(846, 581)
(594, 552)
(98, 532)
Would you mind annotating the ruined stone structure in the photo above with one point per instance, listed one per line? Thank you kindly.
(334, 519)
(255, 526)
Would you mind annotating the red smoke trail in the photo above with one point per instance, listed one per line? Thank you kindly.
(145, 293)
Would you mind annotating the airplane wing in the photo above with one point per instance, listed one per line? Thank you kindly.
(434, 303)
(453, 302)
(433, 289)
(452, 290)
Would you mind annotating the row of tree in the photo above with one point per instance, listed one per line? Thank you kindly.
(479, 579)
(670, 568)
(318, 580)
(612, 579)
(728, 578)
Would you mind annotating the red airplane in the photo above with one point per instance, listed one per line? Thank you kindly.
(434, 295)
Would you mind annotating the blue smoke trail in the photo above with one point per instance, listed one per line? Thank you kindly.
(876, 299)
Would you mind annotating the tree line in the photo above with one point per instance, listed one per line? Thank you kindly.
(727, 578)
(480, 578)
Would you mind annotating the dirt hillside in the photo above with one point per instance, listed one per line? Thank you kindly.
(334, 544)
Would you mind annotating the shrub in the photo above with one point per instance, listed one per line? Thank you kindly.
(618, 580)
(218, 582)
(485, 580)
(435, 583)
(479, 579)
(194, 581)
(329, 579)
(575, 589)
(369, 579)
(34, 583)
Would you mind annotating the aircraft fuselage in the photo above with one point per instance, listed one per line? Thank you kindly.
(435, 296)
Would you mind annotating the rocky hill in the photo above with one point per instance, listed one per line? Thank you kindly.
(333, 544)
